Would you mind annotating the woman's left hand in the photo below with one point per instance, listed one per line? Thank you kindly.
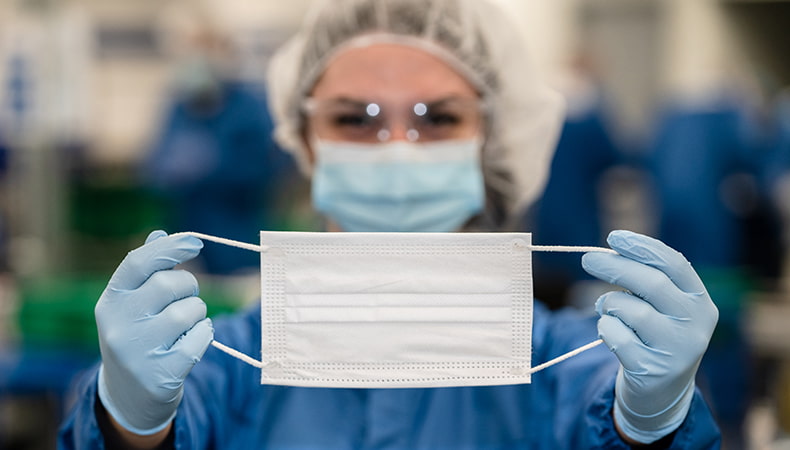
(659, 328)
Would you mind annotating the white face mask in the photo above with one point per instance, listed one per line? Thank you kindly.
(395, 310)
(386, 310)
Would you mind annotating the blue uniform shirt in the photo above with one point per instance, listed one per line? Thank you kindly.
(567, 406)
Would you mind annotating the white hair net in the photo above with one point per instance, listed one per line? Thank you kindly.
(476, 37)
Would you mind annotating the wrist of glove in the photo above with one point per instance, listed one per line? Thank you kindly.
(147, 416)
(648, 426)
(152, 330)
(659, 329)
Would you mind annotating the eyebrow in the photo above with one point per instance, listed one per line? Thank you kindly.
(357, 102)
(352, 101)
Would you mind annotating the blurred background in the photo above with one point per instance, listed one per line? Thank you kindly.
(119, 117)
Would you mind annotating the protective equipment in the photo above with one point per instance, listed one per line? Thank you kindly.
(345, 120)
(476, 37)
(152, 331)
(396, 310)
(659, 331)
(398, 186)
(568, 406)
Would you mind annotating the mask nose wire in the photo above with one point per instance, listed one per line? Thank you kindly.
(535, 248)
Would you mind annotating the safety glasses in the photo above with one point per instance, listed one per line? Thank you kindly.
(355, 120)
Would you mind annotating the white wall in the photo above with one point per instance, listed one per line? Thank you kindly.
(701, 52)
(247, 14)
(550, 29)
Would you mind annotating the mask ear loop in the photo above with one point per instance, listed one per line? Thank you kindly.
(535, 248)
(238, 244)
(228, 242)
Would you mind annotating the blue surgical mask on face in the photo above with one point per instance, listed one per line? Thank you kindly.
(398, 186)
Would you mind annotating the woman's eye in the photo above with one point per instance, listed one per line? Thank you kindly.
(352, 120)
(442, 119)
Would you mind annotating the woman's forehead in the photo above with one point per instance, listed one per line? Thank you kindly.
(390, 71)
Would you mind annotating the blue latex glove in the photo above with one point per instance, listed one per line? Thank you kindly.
(152, 331)
(659, 331)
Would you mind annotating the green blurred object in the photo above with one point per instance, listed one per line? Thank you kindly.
(58, 312)
(108, 214)
(111, 208)
(729, 288)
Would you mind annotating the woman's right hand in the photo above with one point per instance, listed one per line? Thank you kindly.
(152, 330)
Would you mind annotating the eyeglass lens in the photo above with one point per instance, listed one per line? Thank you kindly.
(360, 121)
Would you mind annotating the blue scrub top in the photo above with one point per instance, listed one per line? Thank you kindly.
(220, 172)
(570, 209)
(696, 150)
(567, 406)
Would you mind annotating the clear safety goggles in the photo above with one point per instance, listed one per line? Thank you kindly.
(353, 120)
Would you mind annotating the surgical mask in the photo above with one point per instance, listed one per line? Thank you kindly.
(387, 310)
(398, 186)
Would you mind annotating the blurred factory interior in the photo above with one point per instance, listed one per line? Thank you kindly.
(678, 126)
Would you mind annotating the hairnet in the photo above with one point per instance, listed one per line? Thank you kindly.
(476, 37)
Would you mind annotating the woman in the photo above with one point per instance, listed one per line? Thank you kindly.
(411, 115)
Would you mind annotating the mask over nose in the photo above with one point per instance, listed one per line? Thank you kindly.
(399, 186)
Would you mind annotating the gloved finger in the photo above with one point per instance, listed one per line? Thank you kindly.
(656, 254)
(191, 347)
(646, 323)
(161, 253)
(163, 288)
(178, 318)
(623, 342)
(154, 235)
(646, 282)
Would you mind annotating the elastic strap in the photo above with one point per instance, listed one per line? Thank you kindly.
(228, 242)
(263, 248)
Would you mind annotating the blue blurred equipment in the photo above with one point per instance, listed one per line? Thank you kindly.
(699, 161)
(585, 152)
(659, 329)
(215, 164)
(152, 331)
